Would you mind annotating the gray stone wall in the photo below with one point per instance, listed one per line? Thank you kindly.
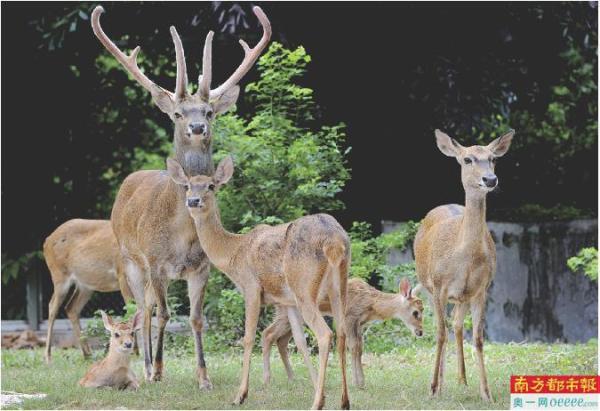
(534, 296)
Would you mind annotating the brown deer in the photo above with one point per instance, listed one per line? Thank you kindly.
(114, 370)
(154, 230)
(365, 304)
(296, 265)
(456, 256)
(84, 254)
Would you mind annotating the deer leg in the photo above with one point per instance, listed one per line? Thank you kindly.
(162, 315)
(127, 297)
(298, 332)
(136, 283)
(460, 310)
(438, 372)
(282, 347)
(478, 313)
(280, 332)
(79, 299)
(312, 316)
(355, 347)
(337, 299)
(58, 297)
(252, 306)
(196, 289)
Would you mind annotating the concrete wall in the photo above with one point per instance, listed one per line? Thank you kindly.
(534, 296)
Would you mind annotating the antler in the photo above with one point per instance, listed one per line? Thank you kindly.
(250, 57)
(130, 62)
(206, 76)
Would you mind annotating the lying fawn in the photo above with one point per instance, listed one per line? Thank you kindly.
(114, 370)
(365, 304)
(295, 265)
(455, 253)
(84, 254)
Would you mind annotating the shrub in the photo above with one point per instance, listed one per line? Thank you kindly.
(585, 261)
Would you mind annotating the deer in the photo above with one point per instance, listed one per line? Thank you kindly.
(455, 254)
(365, 304)
(84, 254)
(114, 370)
(296, 265)
(155, 233)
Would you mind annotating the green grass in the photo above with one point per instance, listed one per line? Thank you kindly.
(399, 380)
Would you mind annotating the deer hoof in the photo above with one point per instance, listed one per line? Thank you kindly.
(205, 385)
(239, 399)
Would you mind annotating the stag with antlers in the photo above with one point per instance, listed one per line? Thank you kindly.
(156, 235)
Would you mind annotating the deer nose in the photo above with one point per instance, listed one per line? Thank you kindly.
(198, 128)
(128, 344)
(193, 202)
(490, 180)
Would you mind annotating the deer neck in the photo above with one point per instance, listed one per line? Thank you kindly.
(385, 306)
(473, 225)
(117, 359)
(195, 159)
(219, 244)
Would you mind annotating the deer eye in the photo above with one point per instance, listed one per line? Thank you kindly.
(133, 333)
(209, 114)
(468, 160)
(177, 115)
(117, 335)
(493, 160)
(416, 314)
(211, 187)
(187, 187)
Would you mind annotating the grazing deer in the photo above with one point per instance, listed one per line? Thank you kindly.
(296, 265)
(114, 370)
(456, 256)
(365, 304)
(82, 253)
(154, 230)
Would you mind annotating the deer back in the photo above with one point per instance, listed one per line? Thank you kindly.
(85, 250)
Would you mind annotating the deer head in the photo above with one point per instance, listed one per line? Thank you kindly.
(122, 335)
(477, 162)
(201, 190)
(192, 114)
(409, 307)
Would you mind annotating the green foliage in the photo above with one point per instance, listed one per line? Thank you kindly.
(286, 167)
(585, 261)
(537, 213)
(369, 253)
(12, 268)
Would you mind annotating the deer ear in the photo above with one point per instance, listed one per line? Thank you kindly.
(176, 172)
(163, 100)
(107, 320)
(405, 288)
(136, 321)
(501, 145)
(226, 100)
(224, 171)
(447, 145)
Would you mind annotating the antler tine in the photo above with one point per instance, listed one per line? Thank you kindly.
(181, 83)
(250, 55)
(206, 76)
(128, 62)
